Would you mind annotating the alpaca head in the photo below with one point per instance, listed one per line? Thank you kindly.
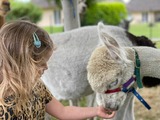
(4, 7)
(81, 6)
(108, 68)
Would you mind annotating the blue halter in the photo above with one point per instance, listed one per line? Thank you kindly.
(126, 86)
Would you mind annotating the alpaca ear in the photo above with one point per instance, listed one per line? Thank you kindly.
(111, 44)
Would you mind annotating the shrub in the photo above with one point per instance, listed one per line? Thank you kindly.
(108, 12)
(25, 11)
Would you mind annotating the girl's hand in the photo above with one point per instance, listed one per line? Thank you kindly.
(103, 113)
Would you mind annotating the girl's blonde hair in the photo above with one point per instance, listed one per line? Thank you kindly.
(20, 58)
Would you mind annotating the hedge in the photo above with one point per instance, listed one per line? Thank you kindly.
(108, 12)
(23, 10)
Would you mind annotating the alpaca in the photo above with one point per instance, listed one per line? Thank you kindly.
(111, 65)
(4, 9)
(81, 6)
(66, 76)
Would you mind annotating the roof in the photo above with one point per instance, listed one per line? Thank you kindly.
(44, 3)
(143, 5)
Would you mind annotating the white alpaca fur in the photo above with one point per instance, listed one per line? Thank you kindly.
(108, 68)
(66, 76)
(81, 6)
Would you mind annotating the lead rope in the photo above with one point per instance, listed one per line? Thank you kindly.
(136, 77)
(138, 81)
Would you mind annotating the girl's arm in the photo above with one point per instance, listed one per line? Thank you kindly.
(56, 109)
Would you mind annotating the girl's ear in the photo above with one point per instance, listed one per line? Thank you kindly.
(112, 45)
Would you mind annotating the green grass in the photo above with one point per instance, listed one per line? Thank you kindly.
(144, 29)
(158, 44)
(136, 29)
(53, 29)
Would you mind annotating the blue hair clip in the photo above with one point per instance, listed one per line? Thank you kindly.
(37, 42)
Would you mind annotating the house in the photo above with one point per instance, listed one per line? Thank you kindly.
(52, 14)
(144, 10)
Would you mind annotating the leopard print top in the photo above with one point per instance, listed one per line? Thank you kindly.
(35, 109)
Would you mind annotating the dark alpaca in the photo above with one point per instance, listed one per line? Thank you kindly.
(150, 81)
(140, 40)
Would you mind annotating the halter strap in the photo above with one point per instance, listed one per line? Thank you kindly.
(113, 91)
(129, 82)
(126, 87)
(137, 70)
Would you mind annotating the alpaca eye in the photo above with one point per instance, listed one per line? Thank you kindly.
(113, 84)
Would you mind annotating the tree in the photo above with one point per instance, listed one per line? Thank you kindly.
(71, 16)
(70, 10)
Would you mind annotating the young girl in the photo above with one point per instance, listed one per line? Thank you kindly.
(24, 51)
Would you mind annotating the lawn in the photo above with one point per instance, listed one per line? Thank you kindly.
(151, 95)
(144, 29)
(53, 29)
(136, 29)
